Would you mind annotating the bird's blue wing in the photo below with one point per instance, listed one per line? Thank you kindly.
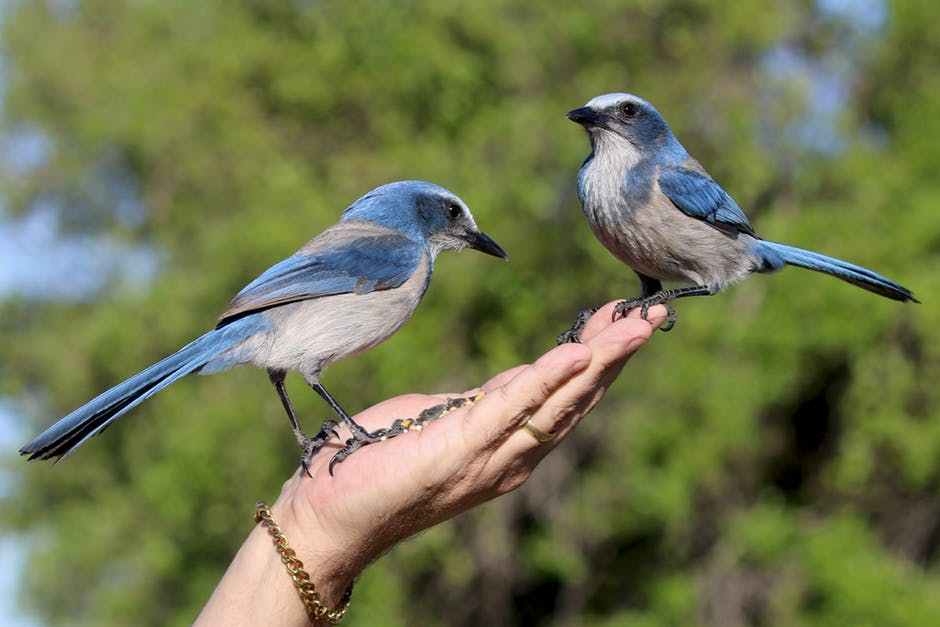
(699, 196)
(361, 265)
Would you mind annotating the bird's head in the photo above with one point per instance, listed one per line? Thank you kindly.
(425, 211)
(626, 117)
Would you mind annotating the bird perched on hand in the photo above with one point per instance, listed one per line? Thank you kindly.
(347, 290)
(656, 209)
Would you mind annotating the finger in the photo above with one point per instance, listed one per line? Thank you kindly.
(621, 339)
(502, 410)
(604, 317)
(497, 381)
(610, 349)
(502, 378)
(655, 316)
(601, 319)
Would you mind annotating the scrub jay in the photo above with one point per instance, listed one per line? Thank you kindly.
(657, 210)
(347, 290)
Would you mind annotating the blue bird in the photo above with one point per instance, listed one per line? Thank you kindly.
(347, 290)
(657, 210)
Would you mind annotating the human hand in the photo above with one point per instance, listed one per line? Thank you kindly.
(391, 490)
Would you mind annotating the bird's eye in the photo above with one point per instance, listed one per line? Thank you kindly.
(455, 211)
(629, 109)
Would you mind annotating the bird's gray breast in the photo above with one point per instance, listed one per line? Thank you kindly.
(617, 200)
(639, 225)
(309, 335)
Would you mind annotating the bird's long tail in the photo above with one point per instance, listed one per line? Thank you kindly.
(776, 255)
(73, 430)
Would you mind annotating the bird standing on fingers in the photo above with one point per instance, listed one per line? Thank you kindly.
(656, 209)
(347, 290)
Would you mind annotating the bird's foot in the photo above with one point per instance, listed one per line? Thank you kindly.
(644, 303)
(400, 426)
(573, 334)
(671, 317)
(311, 446)
(624, 307)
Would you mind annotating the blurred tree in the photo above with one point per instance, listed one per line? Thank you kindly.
(775, 460)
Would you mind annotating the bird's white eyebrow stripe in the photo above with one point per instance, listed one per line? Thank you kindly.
(606, 100)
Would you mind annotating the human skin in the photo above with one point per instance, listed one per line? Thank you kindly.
(389, 491)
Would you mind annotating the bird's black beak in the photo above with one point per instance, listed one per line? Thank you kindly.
(478, 240)
(585, 116)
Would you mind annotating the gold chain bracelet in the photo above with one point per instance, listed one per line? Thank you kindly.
(316, 610)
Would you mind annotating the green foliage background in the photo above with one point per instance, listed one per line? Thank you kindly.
(773, 461)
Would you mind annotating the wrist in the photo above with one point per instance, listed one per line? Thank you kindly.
(257, 588)
(330, 556)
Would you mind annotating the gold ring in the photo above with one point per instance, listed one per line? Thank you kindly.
(538, 434)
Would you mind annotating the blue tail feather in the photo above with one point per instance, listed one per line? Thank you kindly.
(73, 430)
(849, 272)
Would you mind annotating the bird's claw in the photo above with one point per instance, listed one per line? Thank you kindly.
(352, 445)
(624, 307)
(671, 317)
(573, 334)
(399, 426)
(644, 303)
(311, 446)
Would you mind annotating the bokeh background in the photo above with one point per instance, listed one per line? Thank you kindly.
(775, 460)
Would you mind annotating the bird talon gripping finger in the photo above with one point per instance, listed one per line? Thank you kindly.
(624, 307)
(671, 317)
(347, 290)
(402, 425)
(573, 334)
(311, 446)
(657, 210)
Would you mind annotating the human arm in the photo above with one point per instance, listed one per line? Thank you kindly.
(390, 491)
